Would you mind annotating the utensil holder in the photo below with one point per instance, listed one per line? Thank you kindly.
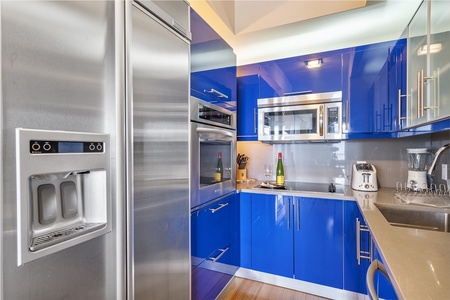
(241, 174)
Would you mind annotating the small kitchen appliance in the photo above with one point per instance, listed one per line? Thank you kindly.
(364, 177)
(418, 162)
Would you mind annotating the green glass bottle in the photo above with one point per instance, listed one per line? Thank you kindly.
(219, 168)
(280, 170)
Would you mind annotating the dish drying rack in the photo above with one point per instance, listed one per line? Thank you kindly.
(436, 196)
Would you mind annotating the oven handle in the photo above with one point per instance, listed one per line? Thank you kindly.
(213, 130)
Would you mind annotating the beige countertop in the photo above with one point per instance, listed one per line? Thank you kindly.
(418, 261)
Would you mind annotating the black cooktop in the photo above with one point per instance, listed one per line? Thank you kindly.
(304, 187)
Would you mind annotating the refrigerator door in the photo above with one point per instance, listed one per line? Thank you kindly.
(58, 73)
(158, 182)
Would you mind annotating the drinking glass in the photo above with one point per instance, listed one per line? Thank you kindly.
(268, 171)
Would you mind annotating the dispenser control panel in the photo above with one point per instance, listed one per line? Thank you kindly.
(43, 147)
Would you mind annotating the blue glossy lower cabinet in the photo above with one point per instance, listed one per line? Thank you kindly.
(383, 286)
(272, 240)
(214, 246)
(295, 237)
(355, 269)
(318, 241)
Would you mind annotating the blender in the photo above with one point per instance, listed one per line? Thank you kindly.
(418, 161)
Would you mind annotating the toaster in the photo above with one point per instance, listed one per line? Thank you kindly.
(364, 177)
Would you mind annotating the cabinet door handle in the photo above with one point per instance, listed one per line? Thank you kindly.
(222, 252)
(297, 217)
(219, 94)
(321, 120)
(359, 253)
(374, 266)
(221, 205)
(255, 120)
(399, 97)
(288, 205)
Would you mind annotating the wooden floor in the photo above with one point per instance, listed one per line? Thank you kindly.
(240, 288)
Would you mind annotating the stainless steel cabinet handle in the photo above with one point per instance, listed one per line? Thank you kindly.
(321, 120)
(399, 99)
(374, 266)
(422, 82)
(347, 115)
(359, 253)
(213, 91)
(419, 88)
(222, 252)
(297, 217)
(221, 205)
(255, 120)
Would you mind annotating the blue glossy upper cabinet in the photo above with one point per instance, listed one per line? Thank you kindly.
(397, 84)
(367, 106)
(247, 107)
(318, 241)
(213, 65)
(301, 75)
(429, 64)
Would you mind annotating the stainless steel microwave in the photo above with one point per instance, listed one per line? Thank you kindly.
(300, 118)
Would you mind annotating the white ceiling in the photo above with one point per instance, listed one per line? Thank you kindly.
(260, 30)
(243, 16)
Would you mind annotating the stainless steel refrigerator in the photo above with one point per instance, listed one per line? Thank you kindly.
(94, 171)
(158, 150)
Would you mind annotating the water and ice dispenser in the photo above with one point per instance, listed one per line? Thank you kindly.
(63, 195)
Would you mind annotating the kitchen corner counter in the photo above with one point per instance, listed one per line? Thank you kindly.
(417, 261)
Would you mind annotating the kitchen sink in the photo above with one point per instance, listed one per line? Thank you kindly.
(416, 217)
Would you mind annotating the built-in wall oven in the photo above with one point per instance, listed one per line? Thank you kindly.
(213, 138)
(309, 117)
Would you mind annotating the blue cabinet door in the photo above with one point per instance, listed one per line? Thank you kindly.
(383, 286)
(365, 93)
(318, 238)
(354, 271)
(272, 234)
(397, 84)
(213, 247)
(247, 108)
(213, 65)
(289, 76)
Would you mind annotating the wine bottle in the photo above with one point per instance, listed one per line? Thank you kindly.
(219, 168)
(280, 170)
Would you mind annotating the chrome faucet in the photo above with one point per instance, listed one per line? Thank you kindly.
(430, 172)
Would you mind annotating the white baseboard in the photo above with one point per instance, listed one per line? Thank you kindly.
(299, 285)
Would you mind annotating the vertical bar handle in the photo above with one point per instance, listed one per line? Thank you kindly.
(297, 217)
(321, 120)
(422, 83)
(255, 120)
(288, 205)
(419, 88)
(358, 241)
